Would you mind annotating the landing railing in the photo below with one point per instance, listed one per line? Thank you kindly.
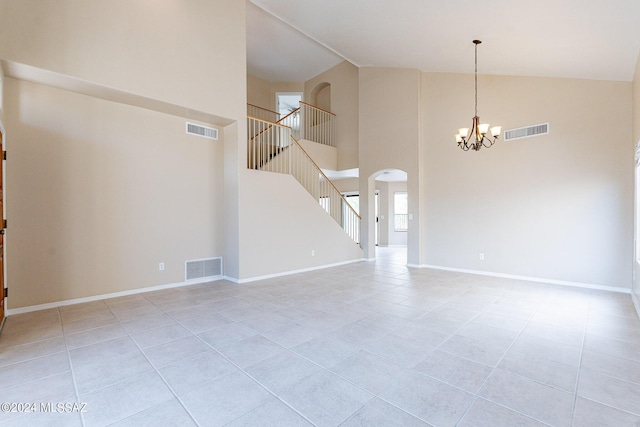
(292, 120)
(317, 125)
(306, 122)
(262, 113)
(271, 147)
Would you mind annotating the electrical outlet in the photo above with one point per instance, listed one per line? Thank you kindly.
(481, 256)
(161, 266)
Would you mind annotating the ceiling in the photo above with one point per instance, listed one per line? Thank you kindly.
(591, 39)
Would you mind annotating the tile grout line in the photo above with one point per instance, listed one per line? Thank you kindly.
(493, 368)
(584, 337)
(71, 370)
(155, 368)
(128, 335)
(251, 376)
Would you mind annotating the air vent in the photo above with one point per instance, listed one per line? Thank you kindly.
(526, 132)
(209, 268)
(204, 131)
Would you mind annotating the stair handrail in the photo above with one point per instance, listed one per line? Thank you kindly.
(323, 188)
(326, 178)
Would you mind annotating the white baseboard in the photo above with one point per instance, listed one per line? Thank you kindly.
(531, 279)
(56, 304)
(288, 273)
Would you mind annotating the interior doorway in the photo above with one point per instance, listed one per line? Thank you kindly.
(390, 214)
(286, 102)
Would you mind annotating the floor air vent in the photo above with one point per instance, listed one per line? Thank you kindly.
(203, 268)
(203, 131)
(526, 132)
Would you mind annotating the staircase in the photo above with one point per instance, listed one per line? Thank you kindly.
(272, 146)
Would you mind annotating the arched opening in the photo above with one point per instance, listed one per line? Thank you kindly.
(390, 216)
(321, 96)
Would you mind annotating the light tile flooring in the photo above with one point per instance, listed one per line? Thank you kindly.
(366, 344)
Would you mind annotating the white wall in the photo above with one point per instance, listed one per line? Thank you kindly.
(553, 207)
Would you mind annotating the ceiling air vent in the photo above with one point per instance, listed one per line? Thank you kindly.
(526, 132)
(204, 131)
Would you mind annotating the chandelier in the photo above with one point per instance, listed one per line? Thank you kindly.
(477, 138)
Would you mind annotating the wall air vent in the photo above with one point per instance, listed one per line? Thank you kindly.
(526, 132)
(204, 131)
(209, 268)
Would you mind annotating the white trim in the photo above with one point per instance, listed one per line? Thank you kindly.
(57, 304)
(288, 273)
(636, 303)
(532, 279)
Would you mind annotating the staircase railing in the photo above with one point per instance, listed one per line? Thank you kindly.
(317, 125)
(272, 148)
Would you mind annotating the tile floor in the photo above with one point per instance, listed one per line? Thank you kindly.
(366, 344)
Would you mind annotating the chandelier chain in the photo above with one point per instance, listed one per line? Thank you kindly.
(476, 81)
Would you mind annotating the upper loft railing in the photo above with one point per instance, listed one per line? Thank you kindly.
(262, 113)
(317, 125)
(306, 122)
(271, 147)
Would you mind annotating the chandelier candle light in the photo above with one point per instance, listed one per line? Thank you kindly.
(464, 138)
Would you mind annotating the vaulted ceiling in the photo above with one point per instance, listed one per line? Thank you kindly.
(294, 40)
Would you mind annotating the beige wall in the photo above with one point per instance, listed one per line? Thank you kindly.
(343, 79)
(114, 52)
(263, 93)
(281, 228)
(98, 193)
(389, 122)
(259, 93)
(554, 207)
(325, 156)
(190, 54)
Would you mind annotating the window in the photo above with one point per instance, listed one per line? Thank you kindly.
(401, 211)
